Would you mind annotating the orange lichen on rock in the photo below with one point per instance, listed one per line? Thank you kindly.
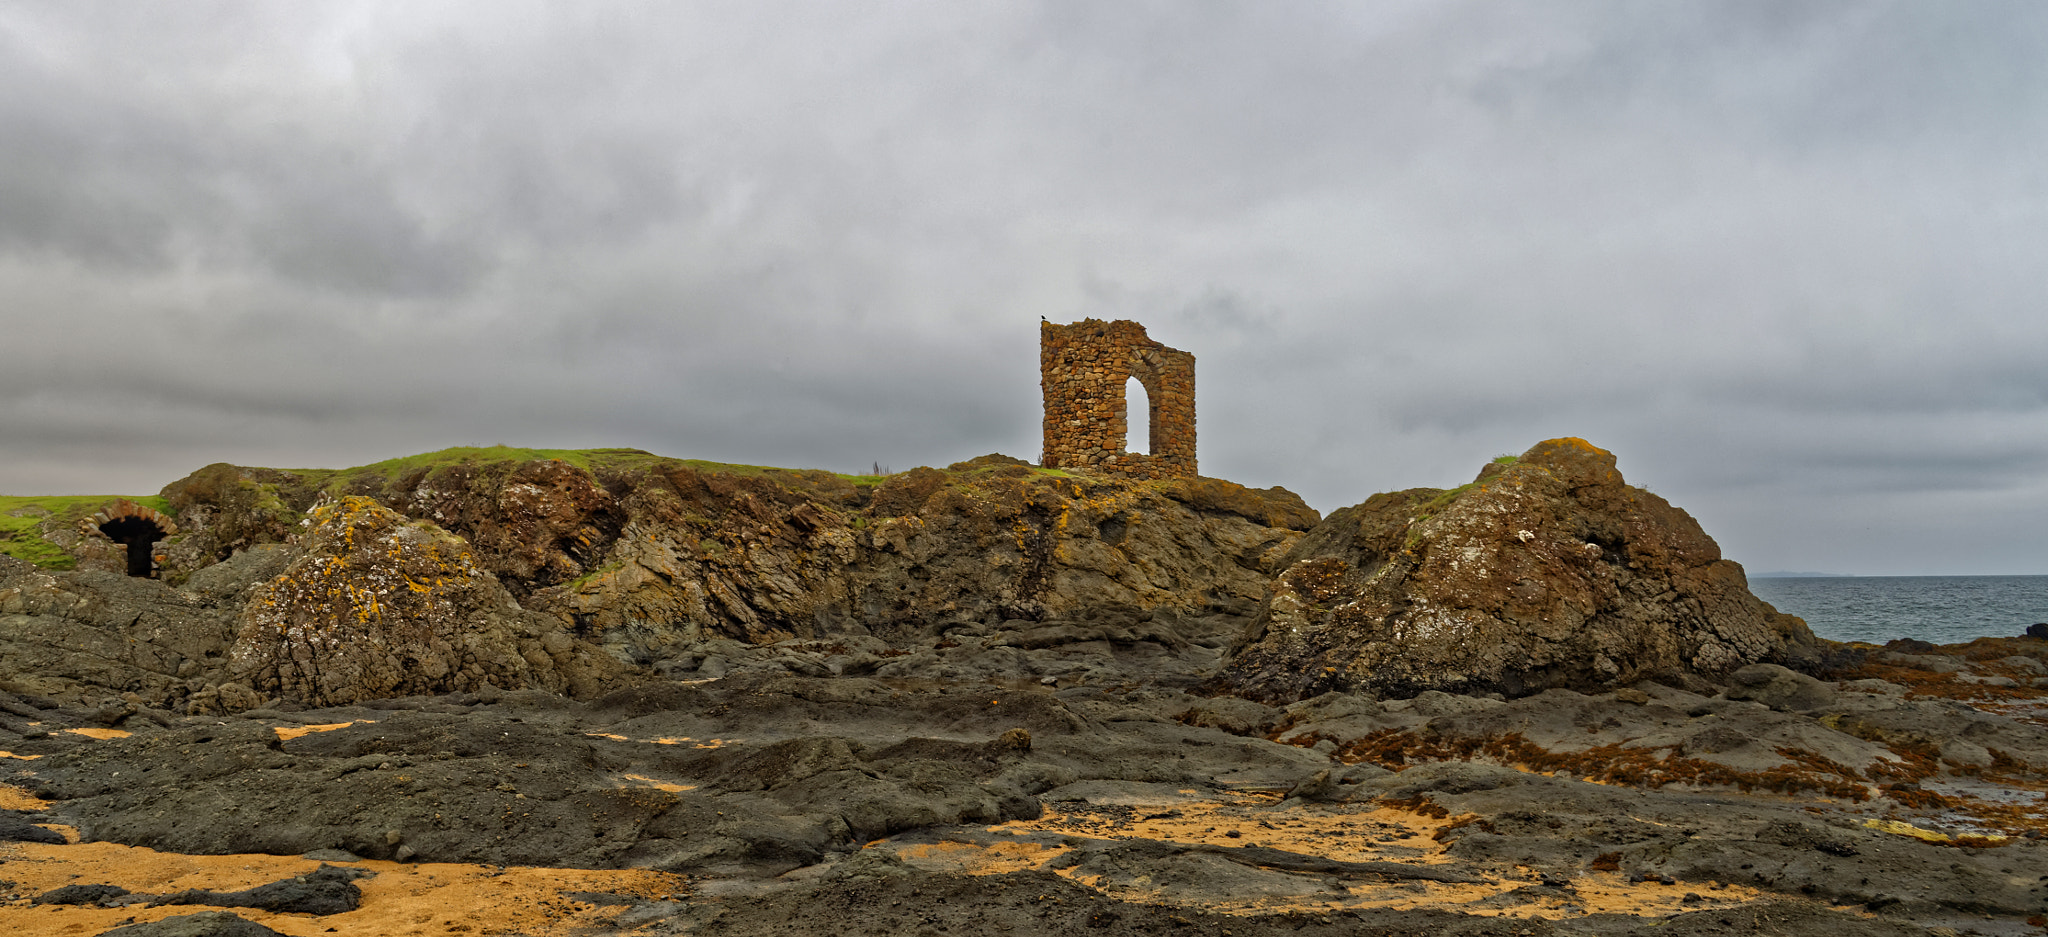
(378, 606)
(1647, 767)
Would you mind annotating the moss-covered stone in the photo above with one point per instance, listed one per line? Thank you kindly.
(1550, 571)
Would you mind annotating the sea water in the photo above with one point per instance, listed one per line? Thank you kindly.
(1938, 609)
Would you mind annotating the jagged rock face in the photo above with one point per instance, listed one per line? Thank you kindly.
(225, 509)
(1549, 572)
(539, 523)
(664, 553)
(723, 555)
(376, 606)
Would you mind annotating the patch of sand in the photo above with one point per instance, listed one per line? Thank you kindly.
(14, 798)
(287, 733)
(101, 733)
(674, 740)
(657, 784)
(1351, 834)
(400, 900)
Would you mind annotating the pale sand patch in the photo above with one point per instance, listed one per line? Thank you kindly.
(659, 785)
(400, 900)
(14, 798)
(101, 733)
(1354, 833)
(667, 740)
(287, 733)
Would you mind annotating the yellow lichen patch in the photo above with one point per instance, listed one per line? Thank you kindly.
(608, 735)
(22, 757)
(1902, 828)
(287, 733)
(14, 798)
(97, 733)
(659, 785)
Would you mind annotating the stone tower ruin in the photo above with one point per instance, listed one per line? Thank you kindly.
(1083, 368)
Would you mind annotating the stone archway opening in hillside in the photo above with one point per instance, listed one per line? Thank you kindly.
(1137, 418)
(138, 528)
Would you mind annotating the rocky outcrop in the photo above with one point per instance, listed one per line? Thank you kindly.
(375, 606)
(644, 553)
(718, 555)
(449, 571)
(1547, 571)
(225, 509)
(120, 641)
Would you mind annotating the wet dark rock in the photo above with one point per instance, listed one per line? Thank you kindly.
(99, 895)
(326, 890)
(1779, 688)
(18, 827)
(206, 924)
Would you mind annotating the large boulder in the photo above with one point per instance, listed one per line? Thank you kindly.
(1548, 571)
(376, 606)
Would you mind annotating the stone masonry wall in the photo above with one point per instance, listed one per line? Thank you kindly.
(1083, 368)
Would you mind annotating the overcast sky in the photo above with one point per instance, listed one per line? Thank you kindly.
(1788, 260)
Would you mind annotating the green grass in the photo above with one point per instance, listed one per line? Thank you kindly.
(21, 536)
(589, 460)
(22, 518)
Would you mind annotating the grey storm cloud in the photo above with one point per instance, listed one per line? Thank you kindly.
(1782, 257)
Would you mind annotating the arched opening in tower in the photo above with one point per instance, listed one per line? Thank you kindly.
(139, 528)
(1137, 418)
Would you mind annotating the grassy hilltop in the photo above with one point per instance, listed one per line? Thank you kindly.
(38, 529)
